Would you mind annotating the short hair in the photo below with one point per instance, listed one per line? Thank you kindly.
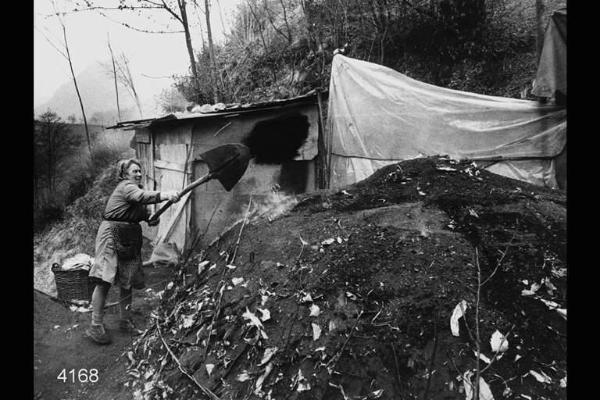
(124, 165)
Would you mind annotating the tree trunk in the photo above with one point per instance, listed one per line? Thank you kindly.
(87, 132)
(115, 78)
(539, 14)
(188, 43)
(211, 52)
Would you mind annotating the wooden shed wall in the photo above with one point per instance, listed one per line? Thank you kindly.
(173, 142)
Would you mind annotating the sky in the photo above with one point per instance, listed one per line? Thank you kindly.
(153, 57)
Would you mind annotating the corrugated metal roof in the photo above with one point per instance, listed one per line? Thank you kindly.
(218, 111)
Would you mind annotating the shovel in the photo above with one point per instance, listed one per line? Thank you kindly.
(226, 163)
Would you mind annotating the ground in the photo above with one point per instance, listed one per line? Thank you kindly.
(349, 295)
(59, 344)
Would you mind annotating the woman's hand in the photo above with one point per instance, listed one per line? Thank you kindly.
(170, 195)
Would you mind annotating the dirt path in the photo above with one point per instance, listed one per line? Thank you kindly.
(59, 345)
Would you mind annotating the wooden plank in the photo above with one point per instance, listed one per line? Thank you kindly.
(178, 167)
(142, 135)
(175, 218)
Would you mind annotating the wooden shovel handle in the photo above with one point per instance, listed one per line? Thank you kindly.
(186, 189)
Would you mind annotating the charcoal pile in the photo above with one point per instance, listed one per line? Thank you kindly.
(411, 284)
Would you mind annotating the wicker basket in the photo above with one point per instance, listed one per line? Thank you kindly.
(72, 285)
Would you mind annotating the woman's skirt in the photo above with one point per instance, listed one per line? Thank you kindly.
(118, 257)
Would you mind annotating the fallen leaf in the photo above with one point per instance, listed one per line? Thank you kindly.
(237, 281)
(314, 310)
(213, 266)
(306, 299)
(267, 355)
(261, 379)
(540, 376)
(327, 242)
(316, 331)
(483, 357)
(231, 266)
(562, 312)
(209, 368)
(339, 239)
(563, 382)
(265, 314)
(303, 384)
(202, 265)
(484, 390)
(351, 296)
(531, 291)
(498, 342)
(458, 312)
(473, 213)
(243, 376)
(518, 357)
(263, 300)
(188, 321)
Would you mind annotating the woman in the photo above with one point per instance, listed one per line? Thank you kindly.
(118, 257)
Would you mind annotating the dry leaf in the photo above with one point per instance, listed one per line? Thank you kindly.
(265, 314)
(484, 390)
(327, 242)
(237, 281)
(314, 311)
(498, 342)
(458, 312)
(316, 331)
(540, 376)
(209, 368)
(261, 379)
(268, 354)
(243, 376)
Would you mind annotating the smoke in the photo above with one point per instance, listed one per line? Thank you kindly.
(274, 205)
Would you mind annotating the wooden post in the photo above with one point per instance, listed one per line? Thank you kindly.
(322, 158)
(539, 42)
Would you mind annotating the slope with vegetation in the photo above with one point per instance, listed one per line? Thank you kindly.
(284, 48)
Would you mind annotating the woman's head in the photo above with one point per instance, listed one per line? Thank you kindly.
(130, 169)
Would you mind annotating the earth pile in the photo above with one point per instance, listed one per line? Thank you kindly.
(355, 294)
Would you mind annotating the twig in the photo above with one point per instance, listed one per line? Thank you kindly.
(495, 357)
(396, 364)
(205, 390)
(432, 360)
(336, 357)
(241, 230)
(477, 343)
(499, 262)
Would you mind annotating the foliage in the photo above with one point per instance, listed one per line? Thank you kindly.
(284, 48)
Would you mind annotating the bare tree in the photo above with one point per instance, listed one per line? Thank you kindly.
(112, 57)
(176, 9)
(125, 77)
(211, 52)
(67, 55)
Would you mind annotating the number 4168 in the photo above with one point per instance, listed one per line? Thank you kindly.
(81, 375)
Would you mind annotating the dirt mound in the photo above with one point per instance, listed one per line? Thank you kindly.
(350, 296)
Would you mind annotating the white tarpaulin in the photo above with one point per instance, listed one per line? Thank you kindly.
(378, 116)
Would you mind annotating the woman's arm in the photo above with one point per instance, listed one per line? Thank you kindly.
(134, 194)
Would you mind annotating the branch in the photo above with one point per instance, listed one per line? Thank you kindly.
(126, 25)
(204, 389)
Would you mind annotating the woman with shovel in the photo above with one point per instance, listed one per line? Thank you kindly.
(118, 259)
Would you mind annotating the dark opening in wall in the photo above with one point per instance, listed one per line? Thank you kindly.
(277, 140)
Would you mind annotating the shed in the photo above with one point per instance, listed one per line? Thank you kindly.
(170, 149)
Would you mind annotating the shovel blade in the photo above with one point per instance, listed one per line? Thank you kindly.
(227, 163)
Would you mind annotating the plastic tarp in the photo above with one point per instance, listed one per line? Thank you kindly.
(378, 116)
(551, 75)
